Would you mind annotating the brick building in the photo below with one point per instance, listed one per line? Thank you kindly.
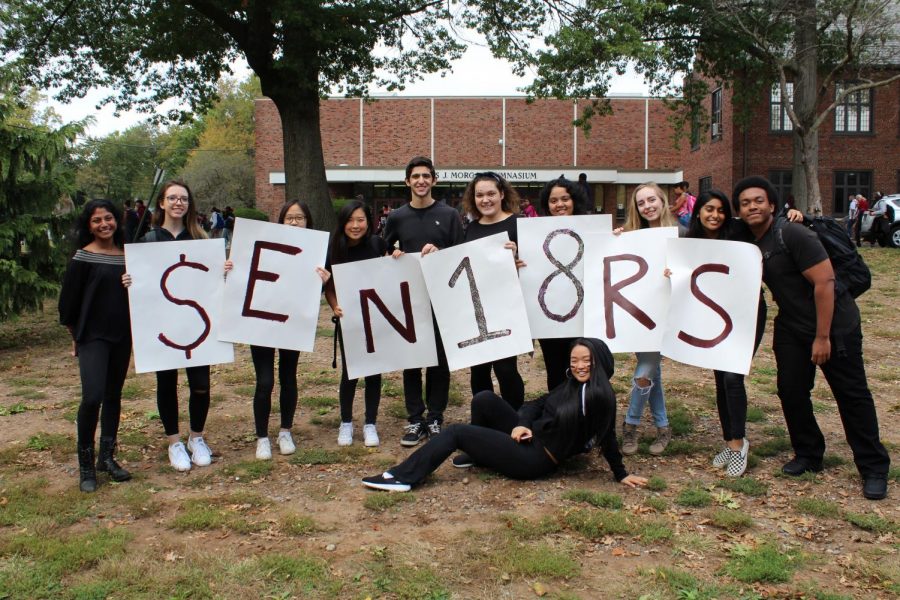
(367, 146)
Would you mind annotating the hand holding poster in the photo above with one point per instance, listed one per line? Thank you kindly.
(552, 281)
(713, 307)
(626, 288)
(174, 301)
(272, 295)
(478, 302)
(387, 324)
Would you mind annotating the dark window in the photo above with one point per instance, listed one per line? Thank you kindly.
(854, 113)
(778, 116)
(705, 184)
(716, 117)
(783, 181)
(847, 183)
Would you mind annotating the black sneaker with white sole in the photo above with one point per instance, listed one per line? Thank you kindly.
(462, 461)
(386, 483)
(434, 428)
(414, 433)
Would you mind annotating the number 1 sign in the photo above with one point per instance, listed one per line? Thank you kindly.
(477, 301)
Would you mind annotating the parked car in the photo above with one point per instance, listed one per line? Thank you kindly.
(886, 233)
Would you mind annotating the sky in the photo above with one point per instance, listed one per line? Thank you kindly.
(477, 73)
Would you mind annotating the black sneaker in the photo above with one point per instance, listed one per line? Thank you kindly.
(434, 428)
(462, 461)
(875, 487)
(386, 483)
(415, 433)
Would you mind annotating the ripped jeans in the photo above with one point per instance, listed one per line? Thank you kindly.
(648, 367)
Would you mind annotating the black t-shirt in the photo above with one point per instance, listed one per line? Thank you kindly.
(437, 224)
(783, 274)
(476, 231)
(373, 247)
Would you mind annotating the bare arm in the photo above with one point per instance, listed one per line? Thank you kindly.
(331, 298)
(821, 276)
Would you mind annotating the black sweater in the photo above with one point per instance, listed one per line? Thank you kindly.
(93, 303)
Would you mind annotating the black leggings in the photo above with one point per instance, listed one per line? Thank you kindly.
(486, 441)
(347, 389)
(264, 364)
(103, 366)
(731, 395)
(167, 398)
(512, 388)
(556, 360)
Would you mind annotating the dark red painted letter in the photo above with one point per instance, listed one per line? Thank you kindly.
(612, 293)
(163, 282)
(257, 275)
(408, 333)
(695, 290)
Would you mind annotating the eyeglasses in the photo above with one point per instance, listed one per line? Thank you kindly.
(178, 199)
(295, 219)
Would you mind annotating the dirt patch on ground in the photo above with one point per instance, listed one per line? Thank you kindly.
(303, 526)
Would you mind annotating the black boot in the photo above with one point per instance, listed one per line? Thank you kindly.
(106, 463)
(87, 474)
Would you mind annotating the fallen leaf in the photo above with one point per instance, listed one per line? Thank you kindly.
(539, 589)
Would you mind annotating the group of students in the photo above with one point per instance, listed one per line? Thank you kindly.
(519, 439)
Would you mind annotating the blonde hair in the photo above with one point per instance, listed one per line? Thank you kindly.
(633, 218)
(190, 216)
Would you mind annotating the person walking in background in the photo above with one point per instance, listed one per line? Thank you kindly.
(862, 207)
(852, 215)
(683, 205)
(93, 305)
(588, 190)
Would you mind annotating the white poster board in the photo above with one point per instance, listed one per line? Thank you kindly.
(553, 279)
(477, 300)
(713, 307)
(174, 298)
(387, 324)
(273, 293)
(626, 289)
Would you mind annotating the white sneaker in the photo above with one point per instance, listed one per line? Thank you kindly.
(345, 434)
(263, 449)
(178, 457)
(370, 435)
(201, 455)
(286, 443)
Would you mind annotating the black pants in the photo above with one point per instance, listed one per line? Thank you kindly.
(556, 359)
(846, 376)
(347, 389)
(437, 388)
(731, 395)
(486, 441)
(103, 366)
(264, 364)
(167, 398)
(512, 388)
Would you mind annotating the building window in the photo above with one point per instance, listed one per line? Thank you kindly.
(716, 117)
(847, 183)
(705, 184)
(778, 116)
(783, 181)
(854, 113)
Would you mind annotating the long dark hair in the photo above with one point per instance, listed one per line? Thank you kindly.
(599, 398)
(339, 249)
(303, 206)
(83, 233)
(696, 229)
(579, 198)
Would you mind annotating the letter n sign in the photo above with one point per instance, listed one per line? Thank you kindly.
(408, 332)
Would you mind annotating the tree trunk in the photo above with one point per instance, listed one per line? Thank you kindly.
(807, 196)
(304, 162)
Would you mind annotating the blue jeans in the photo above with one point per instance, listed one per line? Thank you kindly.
(648, 367)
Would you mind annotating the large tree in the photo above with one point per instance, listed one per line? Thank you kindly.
(747, 44)
(151, 50)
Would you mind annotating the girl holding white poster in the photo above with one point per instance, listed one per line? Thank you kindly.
(353, 240)
(93, 305)
(560, 198)
(175, 218)
(533, 441)
(647, 208)
(296, 214)
(495, 205)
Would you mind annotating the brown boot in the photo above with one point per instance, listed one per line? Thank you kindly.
(629, 439)
(663, 437)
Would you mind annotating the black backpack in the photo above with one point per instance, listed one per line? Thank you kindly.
(850, 271)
